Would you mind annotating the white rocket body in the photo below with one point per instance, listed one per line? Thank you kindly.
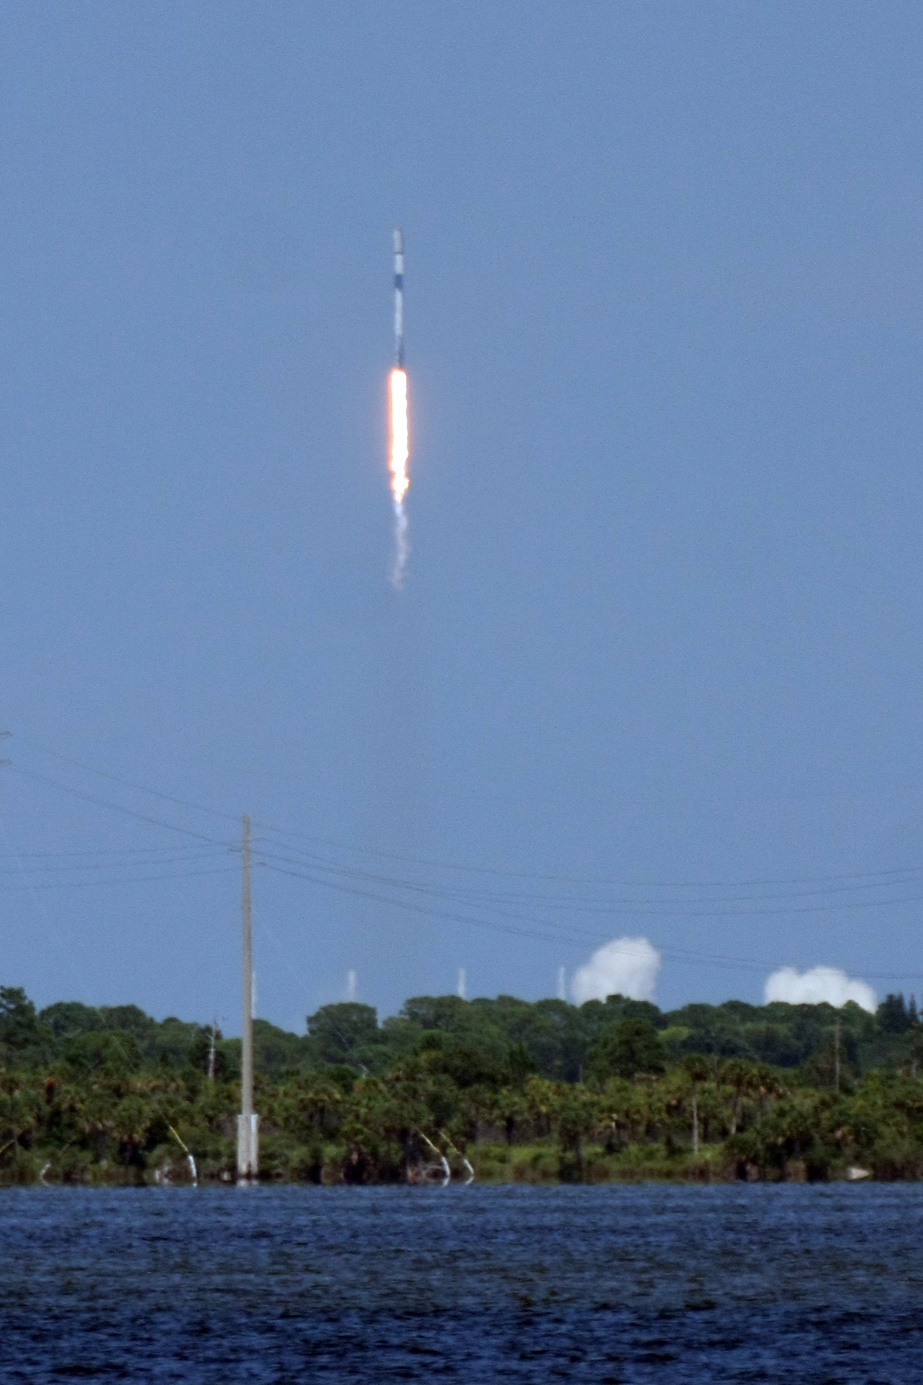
(399, 297)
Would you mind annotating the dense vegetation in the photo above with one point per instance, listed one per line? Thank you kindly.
(520, 1091)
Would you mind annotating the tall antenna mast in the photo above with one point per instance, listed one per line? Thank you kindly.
(247, 1121)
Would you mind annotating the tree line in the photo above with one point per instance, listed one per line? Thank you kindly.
(508, 1089)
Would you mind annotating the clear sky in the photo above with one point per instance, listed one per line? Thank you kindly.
(663, 611)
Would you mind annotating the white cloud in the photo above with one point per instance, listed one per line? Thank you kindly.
(626, 966)
(821, 984)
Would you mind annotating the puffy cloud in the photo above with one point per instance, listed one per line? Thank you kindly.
(626, 966)
(813, 987)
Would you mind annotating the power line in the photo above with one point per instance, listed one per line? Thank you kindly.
(115, 807)
(354, 880)
(834, 881)
(108, 852)
(117, 880)
(618, 907)
(590, 904)
(682, 955)
(141, 788)
(109, 864)
(589, 881)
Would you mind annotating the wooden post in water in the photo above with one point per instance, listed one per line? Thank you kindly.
(248, 1162)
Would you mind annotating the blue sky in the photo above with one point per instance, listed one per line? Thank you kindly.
(662, 617)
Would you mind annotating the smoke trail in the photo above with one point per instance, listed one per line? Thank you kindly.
(400, 480)
(819, 986)
(626, 966)
(401, 546)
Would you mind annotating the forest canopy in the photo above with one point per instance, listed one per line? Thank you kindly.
(520, 1089)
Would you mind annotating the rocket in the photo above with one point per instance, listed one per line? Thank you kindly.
(399, 298)
(399, 452)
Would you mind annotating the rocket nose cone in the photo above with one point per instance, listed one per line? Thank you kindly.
(398, 241)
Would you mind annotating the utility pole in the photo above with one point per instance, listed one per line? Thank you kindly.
(836, 1053)
(247, 1121)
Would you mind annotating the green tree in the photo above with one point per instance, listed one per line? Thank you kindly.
(446, 1012)
(102, 1052)
(130, 1019)
(276, 1051)
(893, 1016)
(19, 1025)
(68, 1017)
(338, 1033)
(630, 1047)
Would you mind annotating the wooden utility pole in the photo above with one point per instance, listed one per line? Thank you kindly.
(837, 1035)
(247, 1121)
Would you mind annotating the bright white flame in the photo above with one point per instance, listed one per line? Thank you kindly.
(821, 984)
(400, 435)
(397, 463)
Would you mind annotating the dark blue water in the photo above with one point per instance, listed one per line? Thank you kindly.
(470, 1284)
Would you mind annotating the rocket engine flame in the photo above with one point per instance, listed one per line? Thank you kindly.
(400, 436)
(397, 462)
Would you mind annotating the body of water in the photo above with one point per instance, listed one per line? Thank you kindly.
(602, 1284)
